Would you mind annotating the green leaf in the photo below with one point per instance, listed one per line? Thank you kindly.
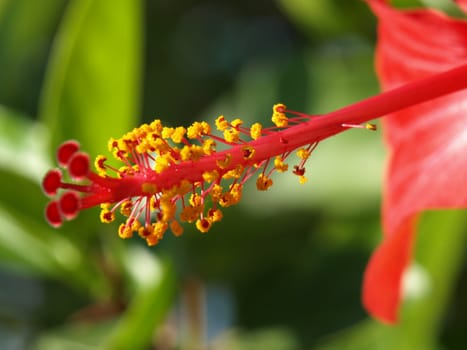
(74, 336)
(441, 240)
(155, 280)
(27, 242)
(92, 85)
(326, 18)
(26, 29)
(22, 145)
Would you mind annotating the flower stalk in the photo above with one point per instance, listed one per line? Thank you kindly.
(174, 175)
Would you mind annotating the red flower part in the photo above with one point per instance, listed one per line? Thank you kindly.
(462, 4)
(53, 215)
(66, 151)
(69, 205)
(52, 182)
(173, 175)
(78, 165)
(427, 165)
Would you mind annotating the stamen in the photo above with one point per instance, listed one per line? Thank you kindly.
(367, 126)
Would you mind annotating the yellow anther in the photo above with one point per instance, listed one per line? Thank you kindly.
(215, 215)
(126, 207)
(255, 131)
(302, 179)
(194, 131)
(209, 146)
(235, 193)
(148, 188)
(248, 152)
(198, 129)
(176, 228)
(216, 192)
(125, 231)
(162, 163)
(280, 120)
(280, 165)
(206, 128)
(196, 200)
(224, 163)
(125, 143)
(210, 176)
(153, 203)
(167, 132)
(263, 182)
(278, 116)
(156, 127)
(192, 152)
(152, 240)
(159, 145)
(221, 123)
(107, 216)
(145, 231)
(99, 164)
(279, 108)
(178, 134)
(367, 126)
(303, 153)
(236, 123)
(143, 147)
(203, 225)
(226, 200)
(233, 196)
(189, 214)
(159, 228)
(231, 135)
(112, 144)
(168, 210)
(234, 173)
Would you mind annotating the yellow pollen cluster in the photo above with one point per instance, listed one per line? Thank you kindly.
(263, 182)
(278, 116)
(248, 152)
(231, 135)
(231, 197)
(221, 123)
(99, 165)
(107, 216)
(255, 131)
(303, 153)
(224, 162)
(198, 130)
(280, 165)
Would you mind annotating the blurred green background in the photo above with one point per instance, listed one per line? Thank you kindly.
(283, 270)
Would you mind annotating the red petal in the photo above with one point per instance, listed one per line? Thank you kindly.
(382, 281)
(462, 4)
(427, 167)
